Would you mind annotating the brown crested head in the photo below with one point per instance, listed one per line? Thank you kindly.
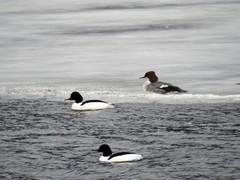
(151, 76)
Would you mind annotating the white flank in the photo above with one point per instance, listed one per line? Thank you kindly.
(91, 106)
(122, 158)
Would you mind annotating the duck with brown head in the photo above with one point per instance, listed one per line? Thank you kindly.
(153, 85)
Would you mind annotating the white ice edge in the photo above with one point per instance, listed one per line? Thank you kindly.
(114, 95)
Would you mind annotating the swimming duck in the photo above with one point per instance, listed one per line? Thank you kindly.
(87, 105)
(108, 156)
(153, 85)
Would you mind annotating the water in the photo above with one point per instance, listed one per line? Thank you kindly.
(45, 140)
(50, 48)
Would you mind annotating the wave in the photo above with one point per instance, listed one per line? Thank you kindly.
(113, 95)
(85, 7)
(126, 28)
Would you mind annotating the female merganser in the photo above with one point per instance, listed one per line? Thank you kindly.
(117, 157)
(87, 105)
(153, 85)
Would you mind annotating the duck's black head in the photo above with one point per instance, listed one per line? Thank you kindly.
(76, 96)
(105, 149)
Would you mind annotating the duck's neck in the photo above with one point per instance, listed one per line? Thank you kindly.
(79, 100)
(107, 153)
(153, 78)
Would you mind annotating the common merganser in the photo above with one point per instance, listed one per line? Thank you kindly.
(153, 85)
(87, 105)
(117, 157)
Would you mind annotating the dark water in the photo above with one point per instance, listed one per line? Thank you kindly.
(42, 139)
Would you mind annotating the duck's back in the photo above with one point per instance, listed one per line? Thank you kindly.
(162, 88)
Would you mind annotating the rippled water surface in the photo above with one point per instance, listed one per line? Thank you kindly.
(45, 140)
(100, 48)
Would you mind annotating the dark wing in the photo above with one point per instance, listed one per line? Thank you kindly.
(89, 101)
(172, 89)
(163, 88)
(118, 154)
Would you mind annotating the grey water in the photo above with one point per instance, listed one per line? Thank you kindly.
(50, 48)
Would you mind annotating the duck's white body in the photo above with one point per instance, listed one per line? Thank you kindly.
(109, 157)
(91, 106)
(121, 158)
(79, 105)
